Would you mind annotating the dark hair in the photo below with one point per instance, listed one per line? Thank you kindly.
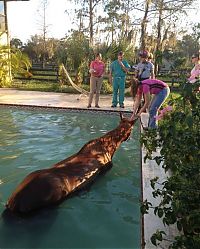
(134, 87)
(98, 54)
(196, 55)
(120, 53)
(144, 54)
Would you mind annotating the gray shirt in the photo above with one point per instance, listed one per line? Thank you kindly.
(144, 70)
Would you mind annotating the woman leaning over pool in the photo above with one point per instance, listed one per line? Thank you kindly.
(160, 91)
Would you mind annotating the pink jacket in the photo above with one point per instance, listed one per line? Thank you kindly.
(195, 74)
(98, 67)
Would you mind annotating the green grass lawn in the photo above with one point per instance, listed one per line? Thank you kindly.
(35, 85)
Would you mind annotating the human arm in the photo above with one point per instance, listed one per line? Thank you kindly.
(147, 99)
(136, 105)
(110, 77)
(152, 72)
(124, 65)
(104, 69)
(136, 72)
(197, 68)
(195, 74)
(92, 70)
(111, 73)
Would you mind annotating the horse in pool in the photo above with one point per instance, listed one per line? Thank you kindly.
(50, 186)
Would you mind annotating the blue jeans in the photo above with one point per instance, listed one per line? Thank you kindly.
(156, 103)
(118, 86)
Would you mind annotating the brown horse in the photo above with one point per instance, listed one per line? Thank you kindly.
(49, 186)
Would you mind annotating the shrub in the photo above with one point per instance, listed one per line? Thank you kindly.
(177, 138)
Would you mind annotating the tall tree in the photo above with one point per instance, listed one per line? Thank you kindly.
(16, 43)
(143, 38)
(112, 21)
(43, 27)
(35, 48)
(87, 12)
(166, 12)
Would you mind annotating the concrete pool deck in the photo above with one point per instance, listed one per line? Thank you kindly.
(74, 101)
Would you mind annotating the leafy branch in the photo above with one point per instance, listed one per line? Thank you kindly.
(177, 140)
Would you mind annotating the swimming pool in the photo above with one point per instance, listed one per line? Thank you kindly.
(105, 216)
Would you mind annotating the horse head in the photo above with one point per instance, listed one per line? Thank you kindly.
(126, 126)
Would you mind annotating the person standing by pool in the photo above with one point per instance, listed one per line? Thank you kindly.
(149, 87)
(195, 73)
(117, 77)
(145, 68)
(97, 69)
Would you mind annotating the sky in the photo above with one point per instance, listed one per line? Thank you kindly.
(24, 18)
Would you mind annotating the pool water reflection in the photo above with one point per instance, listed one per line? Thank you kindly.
(105, 216)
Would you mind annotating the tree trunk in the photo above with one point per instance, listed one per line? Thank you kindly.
(143, 38)
(91, 23)
(158, 44)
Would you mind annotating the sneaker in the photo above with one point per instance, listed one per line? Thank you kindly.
(97, 106)
(121, 106)
(88, 106)
(113, 106)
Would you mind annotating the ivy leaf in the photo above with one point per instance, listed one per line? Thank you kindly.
(189, 120)
(153, 240)
(157, 236)
(155, 210)
(153, 182)
(158, 159)
(179, 225)
(160, 212)
(145, 207)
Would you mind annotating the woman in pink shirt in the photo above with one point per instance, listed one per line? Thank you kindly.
(195, 73)
(97, 69)
(160, 92)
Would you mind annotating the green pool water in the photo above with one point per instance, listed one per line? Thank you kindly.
(105, 216)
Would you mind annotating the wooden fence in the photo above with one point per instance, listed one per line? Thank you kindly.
(51, 74)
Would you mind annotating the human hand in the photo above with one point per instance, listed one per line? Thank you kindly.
(121, 63)
(92, 71)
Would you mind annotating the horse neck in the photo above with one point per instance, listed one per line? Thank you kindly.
(113, 139)
(106, 144)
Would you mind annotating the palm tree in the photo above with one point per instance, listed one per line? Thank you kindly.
(12, 62)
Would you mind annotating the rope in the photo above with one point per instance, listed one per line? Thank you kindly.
(128, 90)
(78, 88)
(141, 123)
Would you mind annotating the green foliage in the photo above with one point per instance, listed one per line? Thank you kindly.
(12, 62)
(78, 50)
(177, 138)
(114, 48)
(106, 87)
(62, 76)
(145, 205)
(34, 85)
(157, 236)
(5, 63)
(20, 63)
(158, 57)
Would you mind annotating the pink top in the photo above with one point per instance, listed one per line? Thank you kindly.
(99, 68)
(152, 86)
(195, 74)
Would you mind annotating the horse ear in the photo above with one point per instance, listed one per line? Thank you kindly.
(121, 115)
(134, 120)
